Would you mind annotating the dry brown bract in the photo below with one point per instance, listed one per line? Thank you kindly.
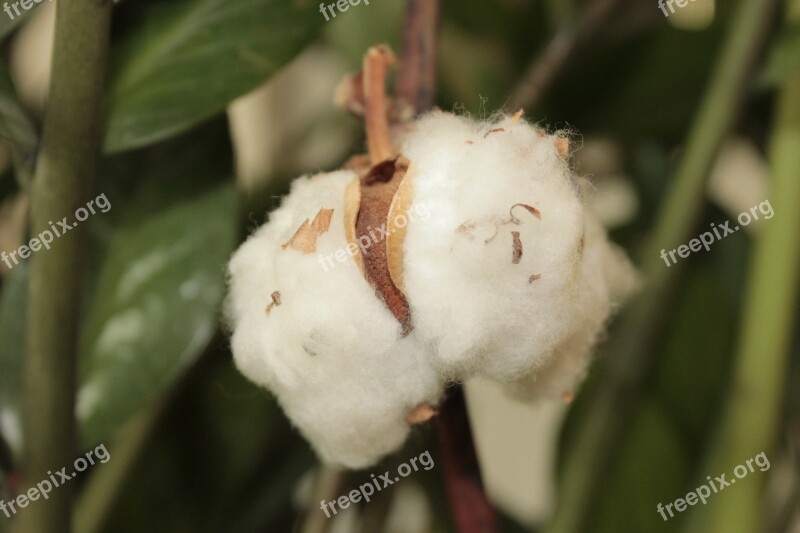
(377, 191)
(305, 238)
(422, 413)
(276, 301)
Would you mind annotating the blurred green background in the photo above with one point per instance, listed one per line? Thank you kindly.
(214, 106)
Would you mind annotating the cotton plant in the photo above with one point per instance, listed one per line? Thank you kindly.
(508, 276)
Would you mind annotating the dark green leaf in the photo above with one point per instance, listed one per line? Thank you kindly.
(155, 307)
(15, 125)
(183, 61)
(650, 468)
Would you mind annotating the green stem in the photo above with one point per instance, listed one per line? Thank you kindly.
(750, 422)
(630, 361)
(101, 493)
(62, 182)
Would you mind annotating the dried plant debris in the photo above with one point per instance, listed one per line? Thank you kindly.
(493, 130)
(529, 208)
(562, 145)
(378, 188)
(517, 255)
(469, 229)
(305, 238)
(420, 414)
(370, 329)
(276, 301)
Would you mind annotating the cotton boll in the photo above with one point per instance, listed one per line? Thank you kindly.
(480, 310)
(503, 274)
(331, 351)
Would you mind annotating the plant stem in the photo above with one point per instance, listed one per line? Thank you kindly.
(379, 140)
(416, 83)
(64, 173)
(546, 67)
(472, 512)
(630, 360)
(750, 422)
(100, 494)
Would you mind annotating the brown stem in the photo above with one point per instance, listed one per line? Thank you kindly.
(546, 67)
(470, 507)
(376, 64)
(417, 81)
(472, 512)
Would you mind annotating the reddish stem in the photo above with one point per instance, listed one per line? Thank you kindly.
(417, 79)
(416, 83)
(472, 512)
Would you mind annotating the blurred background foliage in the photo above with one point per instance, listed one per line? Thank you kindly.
(215, 105)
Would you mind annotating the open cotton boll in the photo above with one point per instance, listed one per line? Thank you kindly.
(327, 347)
(491, 273)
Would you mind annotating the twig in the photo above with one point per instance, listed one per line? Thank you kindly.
(546, 67)
(62, 183)
(417, 80)
(472, 512)
(622, 377)
(469, 504)
(376, 65)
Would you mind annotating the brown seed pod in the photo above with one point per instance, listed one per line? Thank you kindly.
(376, 193)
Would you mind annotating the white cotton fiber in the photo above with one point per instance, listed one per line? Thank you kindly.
(331, 352)
(479, 311)
(606, 279)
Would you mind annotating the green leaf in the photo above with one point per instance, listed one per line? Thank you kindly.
(15, 125)
(156, 276)
(155, 307)
(783, 59)
(649, 469)
(12, 345)
(183, 61)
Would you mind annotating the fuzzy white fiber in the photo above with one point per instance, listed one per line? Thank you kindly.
(333, 353)
(479, 311)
